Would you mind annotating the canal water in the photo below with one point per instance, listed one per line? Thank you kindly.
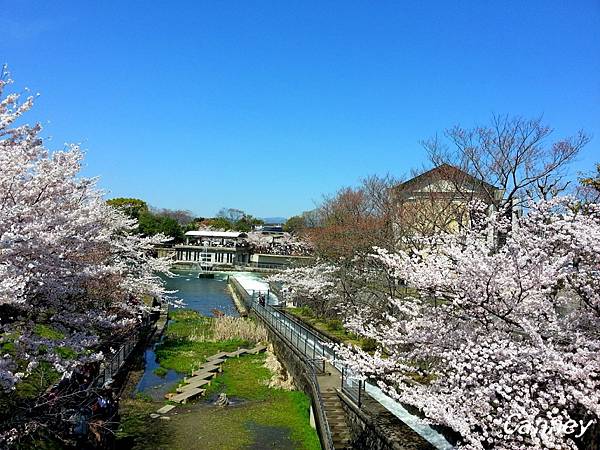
(200, 294)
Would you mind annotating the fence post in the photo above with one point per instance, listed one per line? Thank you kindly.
(360, 386)
(305, 343)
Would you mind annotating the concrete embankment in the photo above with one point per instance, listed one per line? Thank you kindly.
(239, 304)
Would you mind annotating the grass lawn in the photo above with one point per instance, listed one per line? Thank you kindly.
(263, 412)
(137, 431)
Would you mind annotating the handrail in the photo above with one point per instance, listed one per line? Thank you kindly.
(113, 366)
(352, 386)
(321, 408)
(268, 314)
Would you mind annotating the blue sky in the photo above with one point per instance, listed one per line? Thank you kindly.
(265, 106)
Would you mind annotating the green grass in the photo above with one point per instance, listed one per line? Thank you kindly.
(40, 379)
(48, 332)
(135, 432)
(8, 347)
(246, 378)
(333, 328)
(184, 356)
(186, 323)
(161, 372)
(66, 352)
(209, 427)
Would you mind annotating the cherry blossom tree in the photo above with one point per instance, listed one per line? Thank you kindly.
(72, 272)
(500, 345)
(313, 286)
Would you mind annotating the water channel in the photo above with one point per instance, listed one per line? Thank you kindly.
(200, 294)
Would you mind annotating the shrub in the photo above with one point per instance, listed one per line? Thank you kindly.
(368, 344)
(161, 372)
(335, 325)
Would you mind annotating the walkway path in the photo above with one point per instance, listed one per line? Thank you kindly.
(329, 383)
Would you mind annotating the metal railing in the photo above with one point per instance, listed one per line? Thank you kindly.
(302, 338)
(314, 348)
(314, 345)
(299, 339)
(352, 386)
(114, 364)
(312, 378)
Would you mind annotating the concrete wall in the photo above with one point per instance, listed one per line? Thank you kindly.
(374, 427)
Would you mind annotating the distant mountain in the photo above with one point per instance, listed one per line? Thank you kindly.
(274, 220)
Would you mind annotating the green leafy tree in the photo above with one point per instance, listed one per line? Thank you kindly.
(246, 223)
(150, 224)
(220, 223)
(593, 181)
(133, 207)
(294, 224)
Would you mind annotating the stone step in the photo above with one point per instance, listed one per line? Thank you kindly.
(257, 349)
(188, 395)
(165, 409)
(194, 384)
(336, 419)
(201, 374)
(206, 369)
(197, 378)
(329, 395)
(337, 409)
(238, 352)
(341, 438)
(219, 355)
(214, 362)
(333, 406)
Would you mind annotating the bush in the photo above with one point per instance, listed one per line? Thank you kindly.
(305, 311)
(368, 344)
(161, 372)
(335, 325)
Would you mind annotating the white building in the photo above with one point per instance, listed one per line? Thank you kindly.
(211, 249)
